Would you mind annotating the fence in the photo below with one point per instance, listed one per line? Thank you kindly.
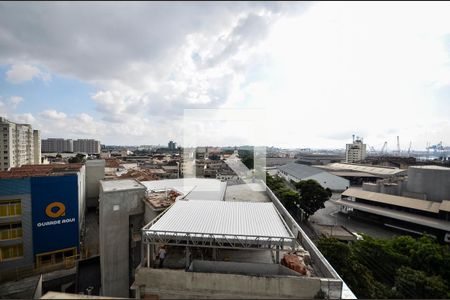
(20, 273)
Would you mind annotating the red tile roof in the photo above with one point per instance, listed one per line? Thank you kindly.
(40, 170)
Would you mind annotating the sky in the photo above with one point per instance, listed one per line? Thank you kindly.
(298, 74)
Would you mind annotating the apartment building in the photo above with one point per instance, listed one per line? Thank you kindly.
(19, 145)
(86, 146)
(355, 152)
(57, 145)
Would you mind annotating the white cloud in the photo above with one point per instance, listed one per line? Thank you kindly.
(19, 73)
(14, 101)
(53, 115)
(26, 118)
(323, 73)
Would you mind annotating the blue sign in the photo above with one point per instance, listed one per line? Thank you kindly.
(54, 202)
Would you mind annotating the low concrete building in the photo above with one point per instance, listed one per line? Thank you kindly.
(298, 172)
(125, 207)
(416, 204)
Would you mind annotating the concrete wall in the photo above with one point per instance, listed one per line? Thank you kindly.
(228, 267)
(168, 283)
(95, 171)
(435, 182)
(116, 207)
(81, 196)
(371, 187)
(336, 284)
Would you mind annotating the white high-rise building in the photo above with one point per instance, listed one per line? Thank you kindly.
(86, 146)
(355, 152)
(19, 144)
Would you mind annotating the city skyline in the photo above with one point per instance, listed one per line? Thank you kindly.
(125, 73)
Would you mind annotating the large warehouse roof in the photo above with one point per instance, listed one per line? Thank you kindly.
(418, 204)
(220, 222)
(300, 171)
(198, 188)
(376, 170)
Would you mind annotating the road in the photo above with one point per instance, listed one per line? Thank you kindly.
(330, 215)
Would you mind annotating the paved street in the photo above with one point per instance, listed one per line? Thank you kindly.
(330, 215)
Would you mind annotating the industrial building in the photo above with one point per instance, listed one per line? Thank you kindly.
(417, 204)
(298, 172)
(19, 145)
(41, 214)
(356, 151)
(217, 246)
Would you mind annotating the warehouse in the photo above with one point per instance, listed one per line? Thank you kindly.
(417, 204)
(298, 172)
(41, 214)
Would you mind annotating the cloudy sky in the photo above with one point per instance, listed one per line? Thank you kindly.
(316, 73)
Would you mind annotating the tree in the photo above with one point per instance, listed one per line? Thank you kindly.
(79, 158)
(289, 198)
(410, 283)
(312, 196)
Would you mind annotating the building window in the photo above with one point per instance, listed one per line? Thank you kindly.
(10, 231)
(10, 208)
(11, 252)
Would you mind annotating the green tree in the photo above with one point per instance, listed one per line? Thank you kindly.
(312, 196)
(79, 158)
(410, 283)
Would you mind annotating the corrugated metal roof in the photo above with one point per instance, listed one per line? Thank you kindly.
(418, 204)
(300, 171)
(404, 216)
(377, 170)
(223, 218)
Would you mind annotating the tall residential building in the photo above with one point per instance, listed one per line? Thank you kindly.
(86, 146)
(355, 152)
(37, 147)
(172, 146)
(18, 144)
(57, 145)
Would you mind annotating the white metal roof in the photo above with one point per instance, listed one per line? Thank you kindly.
(400, 215)
(234, 218)
(198, 188)
(220, 220)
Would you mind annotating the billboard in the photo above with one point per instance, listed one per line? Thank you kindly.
(54, 201)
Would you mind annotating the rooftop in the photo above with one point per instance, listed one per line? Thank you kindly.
(300, 171)
(418, 204)
(194, 188)
(221, 222)
(120, 185)
(40, 170)
(376, 170)
(251, 192)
